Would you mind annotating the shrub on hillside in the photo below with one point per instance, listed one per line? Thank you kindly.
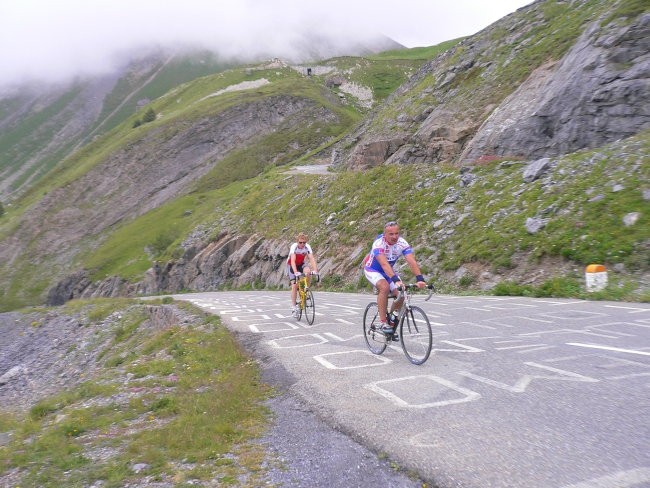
(149, 116)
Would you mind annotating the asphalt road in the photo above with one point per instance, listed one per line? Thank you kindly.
(518, 392)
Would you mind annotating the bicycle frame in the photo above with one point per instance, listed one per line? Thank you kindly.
(305, 298)
(302, 290)
(405, 292)
(415, 332)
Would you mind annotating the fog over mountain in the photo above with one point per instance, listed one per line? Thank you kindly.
(54, 41)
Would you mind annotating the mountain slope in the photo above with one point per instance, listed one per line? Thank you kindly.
(41, 125)
(134, 170)
(198, 198)
(552, 78)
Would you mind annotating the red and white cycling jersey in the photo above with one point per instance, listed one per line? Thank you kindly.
(300, 253)
(392, 253)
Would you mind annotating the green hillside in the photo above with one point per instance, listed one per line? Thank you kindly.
(34, 142)
(491, 236)
(584, 201)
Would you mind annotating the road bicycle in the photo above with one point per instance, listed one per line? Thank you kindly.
(414, 328)
(306, 299)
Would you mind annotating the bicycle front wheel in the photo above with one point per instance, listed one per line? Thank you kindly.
(310, 308)
(375, 338)
(300, 306)
(415, 332)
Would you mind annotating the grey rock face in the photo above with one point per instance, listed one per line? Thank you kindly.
(598, 93)
(535, 169)
(534, 225)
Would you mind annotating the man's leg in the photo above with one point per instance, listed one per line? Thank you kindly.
(294, 292)
(383, 289)
(397, 304)
(307, 271)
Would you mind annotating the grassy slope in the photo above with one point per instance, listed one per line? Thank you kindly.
(494, 210)
(187, 102)
(178, 70)
(30, 135)
(22, 142)
(542, 34)
(491, 232)
(163, 398)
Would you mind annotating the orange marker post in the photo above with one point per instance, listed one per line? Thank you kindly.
(595, 277)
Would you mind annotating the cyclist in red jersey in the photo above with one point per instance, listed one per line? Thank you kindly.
(296, 266)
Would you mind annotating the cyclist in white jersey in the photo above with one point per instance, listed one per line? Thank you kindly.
(296, 266)
(378, 269)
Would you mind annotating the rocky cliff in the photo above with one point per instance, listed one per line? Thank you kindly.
(597, 93)
(229, 260)
(465, 105)
(548, 80)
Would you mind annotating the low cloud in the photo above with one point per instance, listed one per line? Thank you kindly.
(55, 40)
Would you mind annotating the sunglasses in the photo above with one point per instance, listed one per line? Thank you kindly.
(302, 242)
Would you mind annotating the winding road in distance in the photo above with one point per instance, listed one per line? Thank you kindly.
(518, 392)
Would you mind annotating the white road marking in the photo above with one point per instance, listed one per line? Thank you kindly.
(625, 376)
(461, 348)
(632, 309)
(376, 360)
(468, 395)
(518, 347)
(535, 349)
(609, 348)
(480, 326)
(347, 322)
(262, 316)
(334, 336)
(259, 328)
(522, 383)
(277, 342)
(338, 305)
(620, 479)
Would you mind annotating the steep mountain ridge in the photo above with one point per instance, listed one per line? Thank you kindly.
(550, 79)
(42, 124)
(197, 198)
(122, 184)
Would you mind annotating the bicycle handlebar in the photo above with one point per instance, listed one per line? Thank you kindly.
(410, 286)
(312, 273)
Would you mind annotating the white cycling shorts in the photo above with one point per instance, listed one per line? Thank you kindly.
(375, 276)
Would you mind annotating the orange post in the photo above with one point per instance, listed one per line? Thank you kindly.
(595, 277)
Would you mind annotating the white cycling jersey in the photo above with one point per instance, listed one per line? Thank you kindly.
(392, 253)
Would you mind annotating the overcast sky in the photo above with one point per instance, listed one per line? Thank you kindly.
(52, 39)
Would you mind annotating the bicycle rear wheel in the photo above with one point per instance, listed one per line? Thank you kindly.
(375, 338)
(310, 307)
(415, 332)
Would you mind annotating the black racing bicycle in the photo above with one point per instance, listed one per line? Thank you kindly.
(414, 328)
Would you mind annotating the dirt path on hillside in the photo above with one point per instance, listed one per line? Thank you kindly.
(312, 169)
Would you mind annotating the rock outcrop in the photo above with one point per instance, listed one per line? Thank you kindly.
(598, 93)
(229, 260)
